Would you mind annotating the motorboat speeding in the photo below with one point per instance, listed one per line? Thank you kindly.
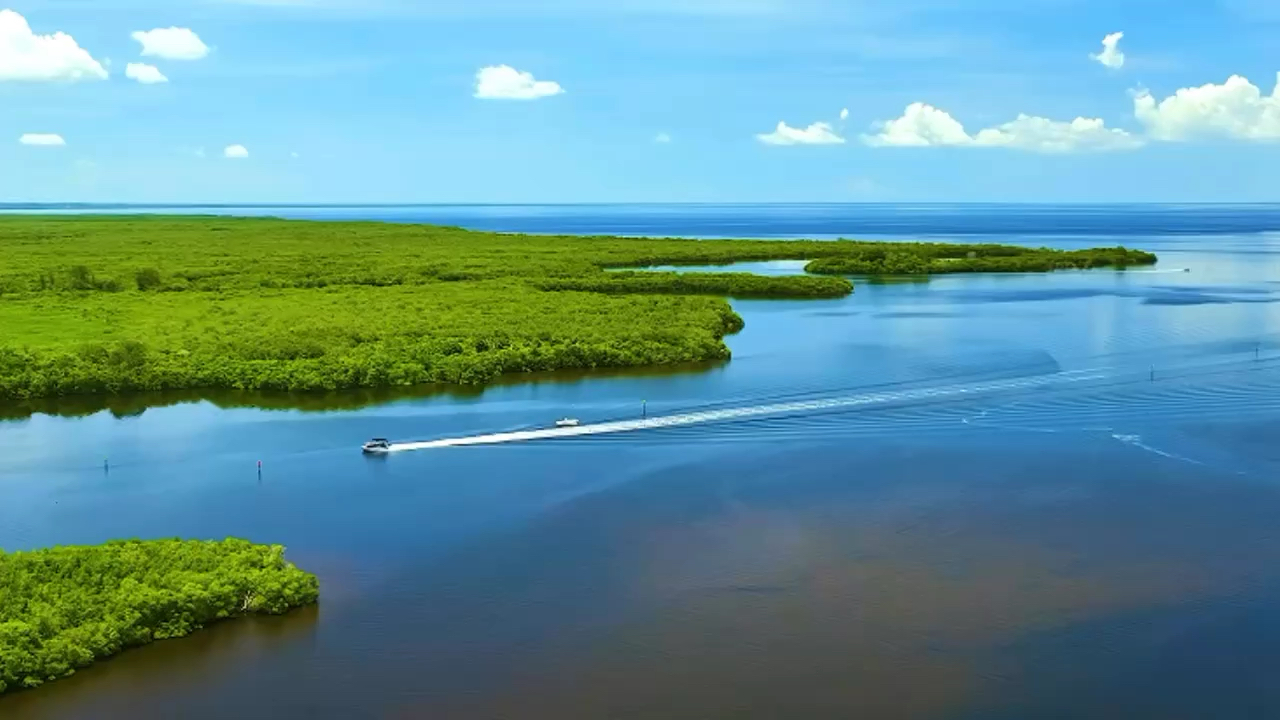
(377, 445)
(568, 422)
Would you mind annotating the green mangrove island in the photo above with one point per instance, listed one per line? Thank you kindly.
(65, 607)
(941, 258)
(108, 304)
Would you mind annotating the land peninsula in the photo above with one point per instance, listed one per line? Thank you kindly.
(108, 304)
(63, 608)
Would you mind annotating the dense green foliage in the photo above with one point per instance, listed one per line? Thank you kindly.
(736, 285)
(110, 304)
(937, 258)
(63, 608)
(348, 337)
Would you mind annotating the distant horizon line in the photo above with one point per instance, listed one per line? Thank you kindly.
(936, 203)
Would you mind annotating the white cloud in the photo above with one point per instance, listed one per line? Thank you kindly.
(844, 114)
(42, 140)
(923, 125)
(818, 133)
(1110, 56)
(1235, 109)
(1038, 134)
(236, 152)
(145, 74)
(294, 155)
(503, 82)
(662, 138)
(26, 56)
(172, 43)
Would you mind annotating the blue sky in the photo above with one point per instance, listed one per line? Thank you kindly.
(378, 101)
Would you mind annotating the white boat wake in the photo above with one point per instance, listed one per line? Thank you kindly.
(757, 411)
(1136, 441)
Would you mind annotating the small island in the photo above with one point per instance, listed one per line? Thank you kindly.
(942, 258)
(62, 608)
(93, 305)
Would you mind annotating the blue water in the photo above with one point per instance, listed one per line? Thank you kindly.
(1104, 548)
(771, 220)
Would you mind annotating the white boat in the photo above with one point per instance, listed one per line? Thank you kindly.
(377, 445)
(568, 422)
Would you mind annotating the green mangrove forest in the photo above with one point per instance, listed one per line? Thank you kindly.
(63, 608)
(108, 304)
(941, 258)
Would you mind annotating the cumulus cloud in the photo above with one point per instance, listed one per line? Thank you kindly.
(923, 125)
(662, 138)
(1236, 109)
(844, 114)
(818, 133)
(42, 140)
(1110, 56)
(1038, 134)
(173, 43)
(236, 152)
(145, 74)
(26, 56)
(503, 82)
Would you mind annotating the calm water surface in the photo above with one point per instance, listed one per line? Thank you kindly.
(1104, 547)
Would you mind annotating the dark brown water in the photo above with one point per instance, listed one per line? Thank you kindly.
(1105, 548)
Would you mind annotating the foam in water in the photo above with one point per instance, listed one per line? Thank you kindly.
(1136, 441)
(758, 411)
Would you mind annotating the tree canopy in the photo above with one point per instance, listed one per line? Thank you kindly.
(62, 608)
(104, 305)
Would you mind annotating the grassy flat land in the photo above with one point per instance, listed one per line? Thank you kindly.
(110, 304)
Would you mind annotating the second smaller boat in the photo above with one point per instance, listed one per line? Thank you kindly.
(568, 422)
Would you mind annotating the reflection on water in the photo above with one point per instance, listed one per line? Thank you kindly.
(185, 665)
(135, 404)
(905, 580)
(1104, 549)
(883, 584)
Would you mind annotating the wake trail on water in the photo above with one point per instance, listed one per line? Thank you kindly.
(757, 411)
(1136, 441)
(1048, 385)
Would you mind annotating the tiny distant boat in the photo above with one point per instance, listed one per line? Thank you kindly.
(377, 445)
(568, 422)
